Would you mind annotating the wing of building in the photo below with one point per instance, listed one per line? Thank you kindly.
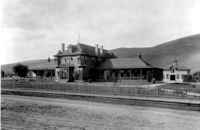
(94, 63)
(175, 73)
(83, 62)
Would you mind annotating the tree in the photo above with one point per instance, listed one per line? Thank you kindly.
(2, 73)
(20, 70)
(49, 59)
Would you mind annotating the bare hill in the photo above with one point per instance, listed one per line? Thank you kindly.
(186, 50)
(32, 64)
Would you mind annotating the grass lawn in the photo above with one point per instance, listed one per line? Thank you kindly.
(30, 113)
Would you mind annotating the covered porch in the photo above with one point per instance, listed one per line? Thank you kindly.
(136, 68)
(147, 74)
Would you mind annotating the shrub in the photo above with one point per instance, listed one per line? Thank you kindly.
(188, 78)
(20, 70)
(2, 73)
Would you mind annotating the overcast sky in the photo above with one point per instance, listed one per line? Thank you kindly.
(35, 29)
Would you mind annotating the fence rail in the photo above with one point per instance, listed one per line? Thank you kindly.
(106, 90)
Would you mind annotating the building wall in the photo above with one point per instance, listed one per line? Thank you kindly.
(133, 74)
(70, 60)
(82, 67)
(177, 74)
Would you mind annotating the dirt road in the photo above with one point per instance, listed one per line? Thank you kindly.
(20, 112)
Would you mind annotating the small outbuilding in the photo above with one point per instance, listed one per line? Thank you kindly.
(175, 73)
(196, 76)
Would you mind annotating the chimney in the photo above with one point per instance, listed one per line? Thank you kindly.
(96, 50)
(63, 47)
(140, 55)
(101, 50)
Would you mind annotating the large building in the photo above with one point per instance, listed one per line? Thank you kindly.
(87, 63)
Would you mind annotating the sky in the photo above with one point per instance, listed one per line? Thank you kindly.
(35, 29)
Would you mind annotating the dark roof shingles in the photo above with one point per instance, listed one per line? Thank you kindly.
(123, 63)
(86, 50)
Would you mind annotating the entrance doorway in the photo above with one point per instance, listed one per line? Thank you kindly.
(71, 74)
(172, 77)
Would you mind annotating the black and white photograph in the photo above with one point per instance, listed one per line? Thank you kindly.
(100, 64)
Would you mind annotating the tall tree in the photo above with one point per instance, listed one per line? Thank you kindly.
(20, 70)
(49, 59)
(2, 73)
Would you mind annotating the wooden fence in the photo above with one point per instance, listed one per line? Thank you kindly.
(104, 90)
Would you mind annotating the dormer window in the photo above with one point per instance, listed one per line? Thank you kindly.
(70, 49)
(78, 59)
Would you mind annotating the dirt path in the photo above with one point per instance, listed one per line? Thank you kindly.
(47, 113)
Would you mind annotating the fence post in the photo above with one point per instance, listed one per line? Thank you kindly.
(13, 83)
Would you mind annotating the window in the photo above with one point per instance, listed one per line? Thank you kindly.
(172, 77)
(84, 60)
(177, 76)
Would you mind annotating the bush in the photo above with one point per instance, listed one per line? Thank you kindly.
(188, 78)
(20, 70)
(2, 73)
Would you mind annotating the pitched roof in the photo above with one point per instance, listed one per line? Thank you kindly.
(76, 50)
(124, 63)
(179, 67)
(84, 49)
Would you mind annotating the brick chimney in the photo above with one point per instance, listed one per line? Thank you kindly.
(97, 49)
(101, 50)
(63, 47)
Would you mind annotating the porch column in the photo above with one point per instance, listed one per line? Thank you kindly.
(140, 74)
(56, 74)
(119, 75)
(80, 73)
(106, 73)
(130, 74)
(113, 75)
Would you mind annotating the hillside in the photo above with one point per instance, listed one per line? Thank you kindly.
(32, 64)
(186, 50)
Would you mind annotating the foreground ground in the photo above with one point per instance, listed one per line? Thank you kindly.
(45, 113)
